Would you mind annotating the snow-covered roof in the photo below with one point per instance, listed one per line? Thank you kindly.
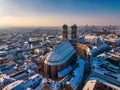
(35, 76)
(81, 40)
(78, 74)
(108, 76)
(33, 81)
(99, 39)
(118, 42)
(104, 81)
(60, 54)
(108, 73)
(100, 49)
(17, 85)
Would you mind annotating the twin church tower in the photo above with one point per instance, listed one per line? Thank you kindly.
(73, 33)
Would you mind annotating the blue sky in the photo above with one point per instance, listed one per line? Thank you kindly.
(58, 12)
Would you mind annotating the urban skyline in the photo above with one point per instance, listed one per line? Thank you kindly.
(59, 44)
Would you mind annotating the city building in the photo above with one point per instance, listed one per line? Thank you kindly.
(22, 74)
(33, 81)
(102, 68)
(48, 58)
(60, 61)
(5, 80)
(17, 85)
(99, 50)
(94, 84)
(83, 51)
(75, 82)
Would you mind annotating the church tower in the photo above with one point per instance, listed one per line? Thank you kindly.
(65, 33)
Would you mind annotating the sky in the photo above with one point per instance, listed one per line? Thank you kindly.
(59, 12)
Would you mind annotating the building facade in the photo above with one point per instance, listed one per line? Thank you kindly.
(74, 34)
(60, 61)
(65, 33)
